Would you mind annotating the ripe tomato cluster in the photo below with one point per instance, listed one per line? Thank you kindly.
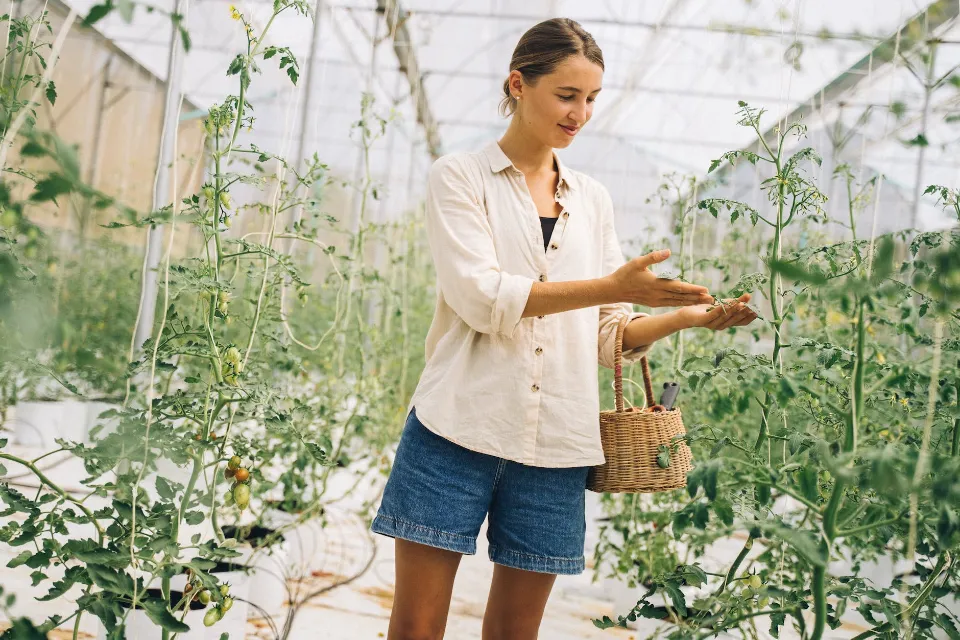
(239, 493)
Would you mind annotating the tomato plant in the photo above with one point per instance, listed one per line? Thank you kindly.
(828, 438)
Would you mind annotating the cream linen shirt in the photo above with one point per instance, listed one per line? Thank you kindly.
(523, 389)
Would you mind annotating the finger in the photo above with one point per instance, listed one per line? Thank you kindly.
(738, 319)
(750, 317)
(726, 318)
(685, 288)
(654, 257)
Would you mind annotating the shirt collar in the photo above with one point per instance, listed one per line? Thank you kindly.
(499, 161)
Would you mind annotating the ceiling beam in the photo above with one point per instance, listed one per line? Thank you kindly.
(936, 15)
(396, 18)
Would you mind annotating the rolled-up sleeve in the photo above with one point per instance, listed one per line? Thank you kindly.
(610, 313)
(487, 298)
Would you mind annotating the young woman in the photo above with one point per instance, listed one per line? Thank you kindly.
(531, 283)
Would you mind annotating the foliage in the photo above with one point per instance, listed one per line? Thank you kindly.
(831, 439)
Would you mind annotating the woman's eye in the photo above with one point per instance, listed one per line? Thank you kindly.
(591, 99)
(566, 98)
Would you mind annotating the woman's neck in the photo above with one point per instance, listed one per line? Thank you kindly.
(526, 152)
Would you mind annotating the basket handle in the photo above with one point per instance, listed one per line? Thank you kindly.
(618, 369)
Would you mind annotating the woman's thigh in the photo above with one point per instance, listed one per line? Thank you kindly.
(421, 600)
(516, 603)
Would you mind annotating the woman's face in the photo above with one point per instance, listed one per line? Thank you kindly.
(555, 109)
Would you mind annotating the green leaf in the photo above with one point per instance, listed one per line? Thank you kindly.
(51, 92)
(20, 559)
(883, 260)
(807, 479)
(90, 552)
(161, 615)
(318, 454)
(801, 542)
(50, 187)
(676, 595)
(185, 37)
(111, 579)
(98, 12)
(919, 141)
(60, 587)
(164, 490)
(795, 272)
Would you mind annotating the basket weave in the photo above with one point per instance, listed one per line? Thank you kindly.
(631, 441)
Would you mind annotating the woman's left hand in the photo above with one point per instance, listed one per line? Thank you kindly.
(719, 316)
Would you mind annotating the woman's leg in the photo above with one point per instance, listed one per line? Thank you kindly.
(424, 587)
(516, 603)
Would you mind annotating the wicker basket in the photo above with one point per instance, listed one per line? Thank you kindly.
(632, 440)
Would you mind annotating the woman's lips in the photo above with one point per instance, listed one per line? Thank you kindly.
(570, 131)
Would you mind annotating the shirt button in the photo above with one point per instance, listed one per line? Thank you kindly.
(540, 317)
(553, 246)
(566, 214)
(535, 387)
(542, 277)
(539, 350)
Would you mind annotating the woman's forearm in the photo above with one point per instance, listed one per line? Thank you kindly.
(647, 330)
(556, 297)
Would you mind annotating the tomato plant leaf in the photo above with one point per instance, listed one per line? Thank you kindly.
(98, 12)
(161, 615)
(20, 559)
(793, 271)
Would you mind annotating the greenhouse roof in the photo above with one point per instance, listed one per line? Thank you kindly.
(675, 70)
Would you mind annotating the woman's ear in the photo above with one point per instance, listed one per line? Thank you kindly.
(515, 81)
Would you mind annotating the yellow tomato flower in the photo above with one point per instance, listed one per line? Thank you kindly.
(903, 401)
(880, 358)
(234, 13)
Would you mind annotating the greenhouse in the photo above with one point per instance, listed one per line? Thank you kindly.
(285, 352)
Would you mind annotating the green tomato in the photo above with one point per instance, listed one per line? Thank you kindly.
(234, 463)
(226, 604)
(212, 617)
(232, 355)
(204, 597)
(9, 218)
(228, 497)
(225, 199)
(209, 192)
(241, 495)
(224, 590)
(755, 582)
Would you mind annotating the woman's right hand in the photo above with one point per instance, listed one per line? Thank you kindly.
(635, 283)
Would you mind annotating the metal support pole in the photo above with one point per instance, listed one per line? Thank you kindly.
(93, 170)
(297, 212)
(161, 192)
(928, 89)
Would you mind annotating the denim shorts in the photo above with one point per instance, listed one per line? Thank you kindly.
(439, 493)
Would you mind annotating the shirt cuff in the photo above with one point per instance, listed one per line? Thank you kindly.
(635, 355)
(511, 301)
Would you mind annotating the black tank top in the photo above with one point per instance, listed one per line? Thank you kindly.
(547, 224)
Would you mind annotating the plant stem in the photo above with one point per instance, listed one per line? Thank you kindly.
(63, 494)
(735, 566)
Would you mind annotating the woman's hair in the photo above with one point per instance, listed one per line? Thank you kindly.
(542, 48)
